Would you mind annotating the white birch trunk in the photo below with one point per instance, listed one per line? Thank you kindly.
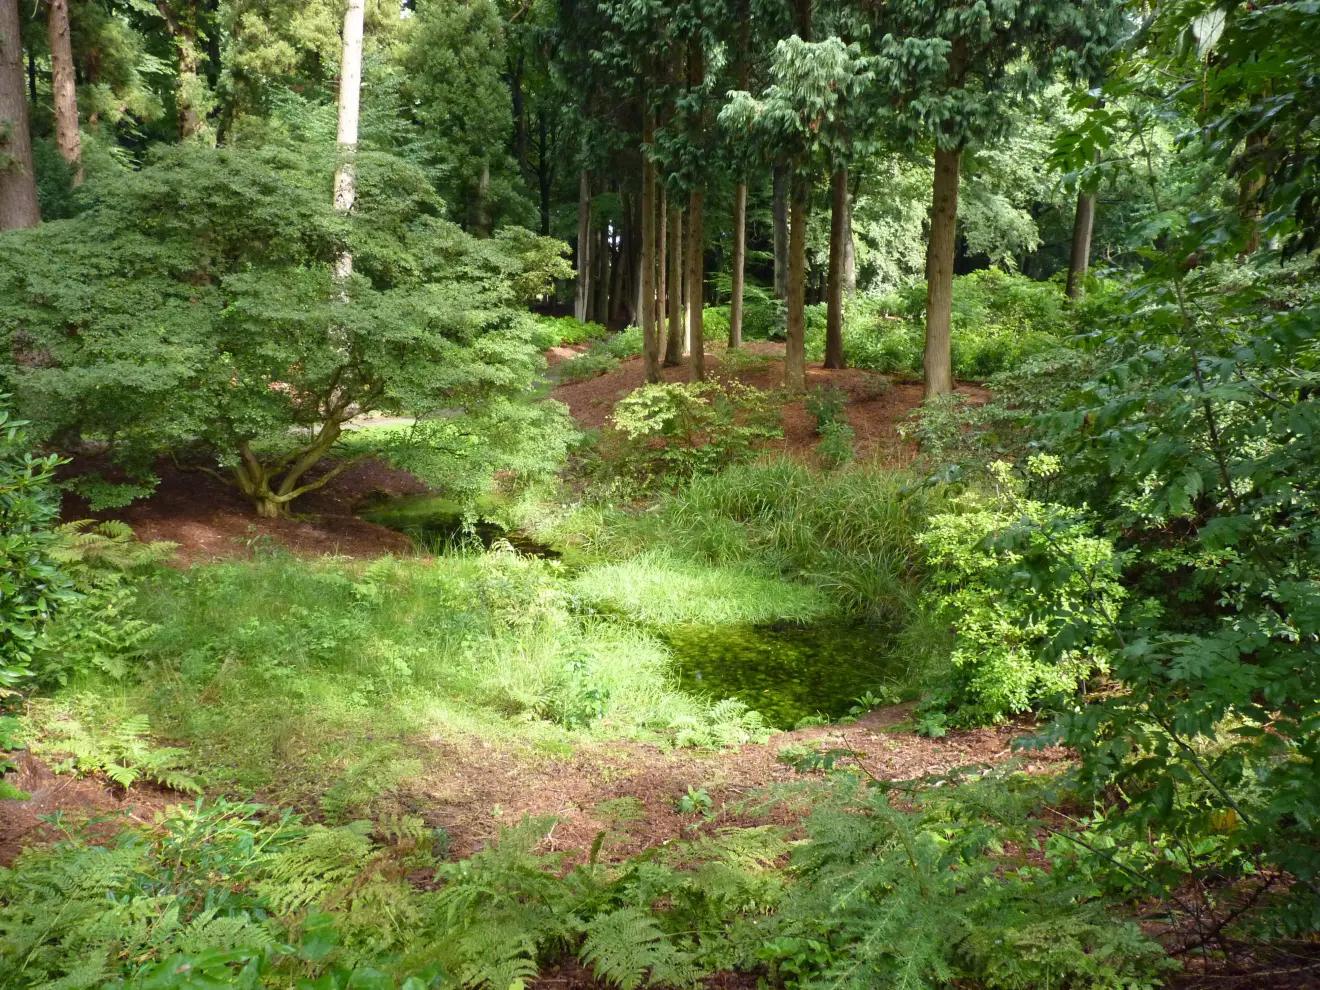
(350, 96)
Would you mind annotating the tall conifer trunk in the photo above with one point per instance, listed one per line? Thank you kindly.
(795, 347)
(849, 251)
(18, 185)
(63, 88)
(582, 308)
(350, 97)
(739, 264)
(601, 306)
(661, 259)
(650, 336)
(939, 272)
(674, 346)
(834, 289)
(696, 288)
(781, 183)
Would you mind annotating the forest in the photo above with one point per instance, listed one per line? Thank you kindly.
(739, 494)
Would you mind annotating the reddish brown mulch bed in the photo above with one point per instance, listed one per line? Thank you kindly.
(79, 800)
(877, 404)
(210, 519)
(470, 789)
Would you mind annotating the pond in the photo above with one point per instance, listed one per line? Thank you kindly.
(786, 672)
(437, 523)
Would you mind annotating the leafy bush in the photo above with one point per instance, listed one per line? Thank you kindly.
(1018, 580)
(826, 405)
(32, 583)
(554, 331)
(836, 443)
(592, 364)
(679, 429)
(251, 334)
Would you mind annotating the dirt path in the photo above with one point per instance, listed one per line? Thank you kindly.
(631, 790)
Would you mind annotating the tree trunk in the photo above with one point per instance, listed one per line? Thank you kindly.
(601, 306)
(190, 92)
(781, 231)
(739, 264)
(1079, 259)
(62, 87)
(795, 348)
(582, 296)
(618, 271)
(18, 185)
(350, 98)
(674, 345)
(661, 259)
(1250, 208)
(834, 288)
(650, 335)
(939, 272)
(849, 251)
(696, 288)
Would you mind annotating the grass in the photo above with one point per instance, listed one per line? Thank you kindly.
(658, 588)
(307, 677)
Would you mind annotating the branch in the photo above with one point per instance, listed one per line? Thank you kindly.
(333, 473)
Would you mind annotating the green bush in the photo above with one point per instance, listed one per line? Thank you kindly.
(1017, 579)
(554, 331)
(674, 430)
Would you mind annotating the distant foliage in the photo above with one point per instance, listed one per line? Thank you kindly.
(999, 320)
(555, 331)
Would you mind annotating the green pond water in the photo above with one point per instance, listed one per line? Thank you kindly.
(438, 523)
(786, 672)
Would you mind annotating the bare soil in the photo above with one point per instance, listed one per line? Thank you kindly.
(209, 519)
(877, 404)
(473, 788)
(77, 799)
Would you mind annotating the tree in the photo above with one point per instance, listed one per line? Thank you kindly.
(62, 87)
(197, 324)
(350, 96)
(18, 185)
(801, 116)
(957, 77)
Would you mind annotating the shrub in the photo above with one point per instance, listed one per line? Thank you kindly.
(679, 429)
(252, 338)
(1017, 579)
(826, 405)
(554, 331)
(836, 443)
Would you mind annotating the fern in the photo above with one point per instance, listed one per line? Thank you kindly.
(122, 753)
(627, 947)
